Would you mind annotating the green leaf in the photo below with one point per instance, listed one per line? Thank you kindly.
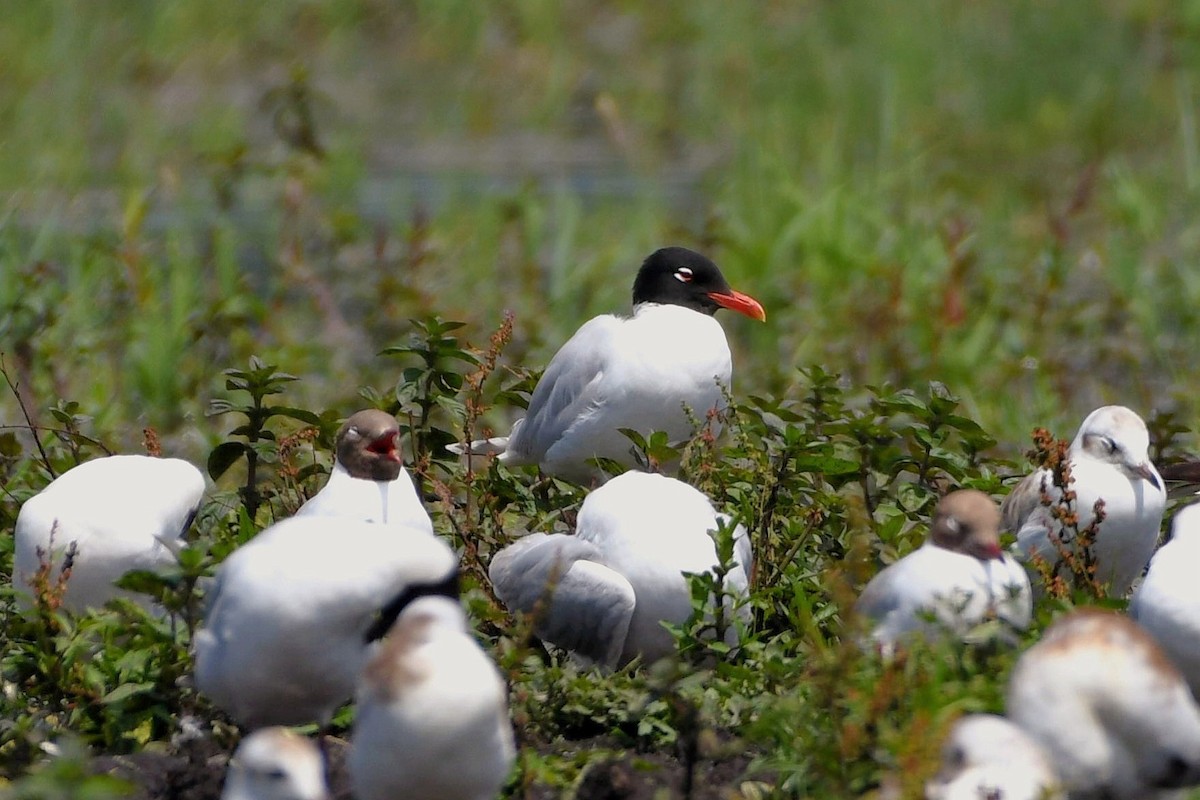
(223, 457)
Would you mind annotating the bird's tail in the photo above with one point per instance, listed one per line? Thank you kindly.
(480, 447)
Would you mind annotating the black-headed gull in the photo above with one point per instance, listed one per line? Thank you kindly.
(431, 715)
(987, 757)
(1111, 712)
(1109, 460)
(1167, 603)
(612, 584)
(368, 479)
(120, 512)
(292, 612)
(959, 577)
(276, 764)
(637, 372)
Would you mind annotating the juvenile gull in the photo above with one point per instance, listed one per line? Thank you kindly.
(120, 512)
(604, 592)
(275, 764)
(431, 720)
(1109, 460)
(1109, 709)
(637, 372)
(954, 581)
(987, 757)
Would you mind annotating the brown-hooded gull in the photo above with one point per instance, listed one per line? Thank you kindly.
(292, 613)
(1110, 461)
(987, 757)
(612, 585)
(637, 372)
(431, 716)
(276, 764)
(368, 479)
(1167, 603)
(120, 513)
(956, 580)
(1108, 708)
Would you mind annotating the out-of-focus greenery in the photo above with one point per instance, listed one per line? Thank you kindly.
(977, 217)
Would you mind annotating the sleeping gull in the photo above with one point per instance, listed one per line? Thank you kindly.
(611, 585)
(120, 513)
(1109, 461)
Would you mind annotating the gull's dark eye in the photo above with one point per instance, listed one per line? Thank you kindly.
(276, 774)
(683, 274)
(1109, 445)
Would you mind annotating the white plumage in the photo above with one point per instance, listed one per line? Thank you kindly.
(121, 512)
(431, 721)
(987, 757)
(1110, 461)
(613, 583)
(1167, 603)
(285, 635)
(638, 372)
(368, 480)
(275, 764)
(956, 580)
(1109, 709)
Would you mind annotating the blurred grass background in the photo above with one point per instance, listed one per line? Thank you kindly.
(1000, 196)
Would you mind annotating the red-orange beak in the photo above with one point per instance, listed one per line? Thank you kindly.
(386, 446)
(741, 303)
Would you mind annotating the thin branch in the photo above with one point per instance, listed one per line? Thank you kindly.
(28, 420)
(62, 431)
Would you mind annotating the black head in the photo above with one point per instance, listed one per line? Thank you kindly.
(681, 277)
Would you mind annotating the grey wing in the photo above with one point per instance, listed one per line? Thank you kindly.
(577, 603)
(566, 389)
(1023, 500)
(879, 598)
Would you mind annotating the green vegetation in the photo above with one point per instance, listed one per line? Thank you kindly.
(977, 218)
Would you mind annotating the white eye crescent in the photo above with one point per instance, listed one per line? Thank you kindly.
(683, 274)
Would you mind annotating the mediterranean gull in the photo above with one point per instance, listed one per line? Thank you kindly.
(638, 372)
(610, 587)
(120, 513)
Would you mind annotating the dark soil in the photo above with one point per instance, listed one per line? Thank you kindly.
(196, 770)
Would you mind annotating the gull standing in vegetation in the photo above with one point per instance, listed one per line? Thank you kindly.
(368, 479)
(431, 716)
(1167, 603)
(292, 613)
(987, 757)
(1109, 709)
(604, 592)
(638, 372)
(116, 514)
(276, 764)
(1110, 461)
(956, 580)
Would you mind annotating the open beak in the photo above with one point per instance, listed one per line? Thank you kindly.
(987, 551)
(741, 303)
(1146, 471)
(386, 446)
